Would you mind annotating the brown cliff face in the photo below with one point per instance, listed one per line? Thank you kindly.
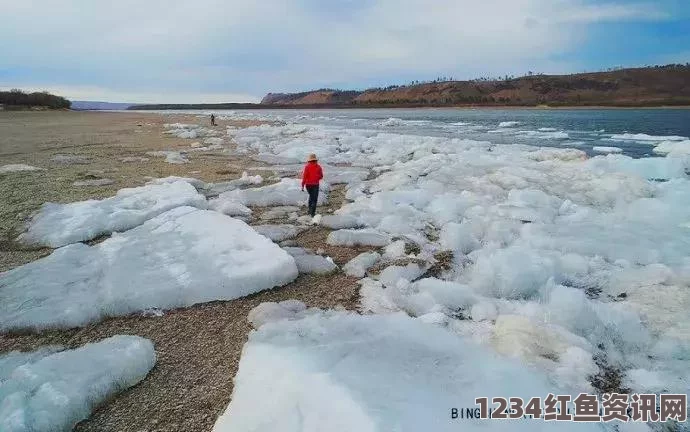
(667, 85)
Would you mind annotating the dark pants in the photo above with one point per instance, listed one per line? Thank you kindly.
(313, 191)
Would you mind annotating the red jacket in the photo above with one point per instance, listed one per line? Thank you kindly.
(312, 174)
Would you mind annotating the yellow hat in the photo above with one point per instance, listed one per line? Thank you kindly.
(312, 157)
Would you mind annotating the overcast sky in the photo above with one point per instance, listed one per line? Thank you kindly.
(237, 51)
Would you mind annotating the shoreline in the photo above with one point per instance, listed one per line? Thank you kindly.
(458, 107)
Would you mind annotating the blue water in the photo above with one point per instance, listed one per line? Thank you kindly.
(575, 128)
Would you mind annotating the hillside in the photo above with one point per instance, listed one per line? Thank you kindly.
(652, 86)
(17, 99)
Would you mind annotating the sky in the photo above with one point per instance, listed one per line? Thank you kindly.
(206, 51)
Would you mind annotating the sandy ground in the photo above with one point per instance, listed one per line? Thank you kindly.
(198, 348)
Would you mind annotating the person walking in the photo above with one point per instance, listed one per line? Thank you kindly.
(213, 120)
(311, 176)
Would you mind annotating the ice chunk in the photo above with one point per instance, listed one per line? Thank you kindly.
(303, 368)
(310, 263)
(285, 193)
(484, 311)
(358, 266)
(547, 346)
(229, 207)
(277, 233)
(45, 391)
(459, 237)
(10, 168)
(215, 189)
(390, 276)
(172, 157)
(271, 312)
(57, 225)
(511, 273)
(362, 237)
(645, 137)
(507, 124)
(673, 147)
(179, 258)
(604, 149)
(432, 295)
(340, 221)
(199, 184)
(394, 250)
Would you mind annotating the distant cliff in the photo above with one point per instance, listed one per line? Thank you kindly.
(651, 86)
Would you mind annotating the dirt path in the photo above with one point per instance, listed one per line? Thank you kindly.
(199, 347)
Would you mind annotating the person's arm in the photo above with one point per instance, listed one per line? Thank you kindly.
(320, 173)
(304, 172)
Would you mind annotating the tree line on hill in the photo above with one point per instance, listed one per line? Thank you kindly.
(19, 99)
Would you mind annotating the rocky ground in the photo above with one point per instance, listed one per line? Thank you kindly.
(199, 347)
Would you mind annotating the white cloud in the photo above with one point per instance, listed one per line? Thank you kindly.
(200, 47)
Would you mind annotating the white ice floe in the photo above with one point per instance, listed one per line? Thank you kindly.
(271, 312)
(172, 157)
(311, 263)
(595, 247)
(340, 221)
(10, 168)
(337, 371)
(358, 266)
(179, 258)
(645, 137)
(604, 149)
(277, 233)
(198, 184)
(215, 189)
(507, 124)
(57, 225)
(649, 168)
(229, 207)
(363, 237)
(52, 390)
(673, 148)
(557, 135)
(394, 250)
(392, 275)
(94, 182)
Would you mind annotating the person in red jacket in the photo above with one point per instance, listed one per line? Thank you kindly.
(311, 176)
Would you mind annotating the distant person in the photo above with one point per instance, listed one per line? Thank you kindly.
(213, 120)
(311, 176)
